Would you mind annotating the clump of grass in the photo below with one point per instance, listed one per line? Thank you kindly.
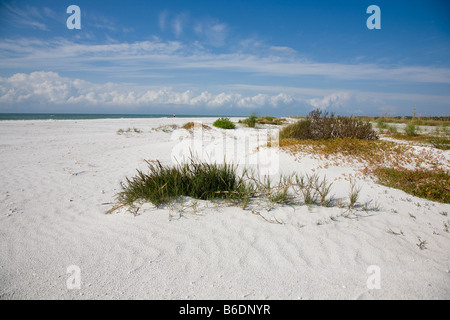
(250, 121)
(306, 187)
(440, 139)
(163, 185)
(224, 123)
(381, 124)
(320, 125)
(433, 185)
(392, 129)
(442, 143)
(411, 129)
(199, 180)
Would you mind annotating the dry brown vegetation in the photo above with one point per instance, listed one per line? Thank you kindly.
(192, 125)
(320, 125)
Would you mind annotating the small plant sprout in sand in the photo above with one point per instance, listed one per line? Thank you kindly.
(354, 194)
(400, 233)
(446, 225)
(129, 130)
(421, 244)
(314, 190)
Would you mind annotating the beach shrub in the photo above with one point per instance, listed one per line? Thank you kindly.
(411, 129)
(320, 125)
(301, 130)
(224, 123)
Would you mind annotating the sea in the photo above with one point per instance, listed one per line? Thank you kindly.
(84, 116)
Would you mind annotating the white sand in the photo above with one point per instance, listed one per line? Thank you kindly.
(55, 175)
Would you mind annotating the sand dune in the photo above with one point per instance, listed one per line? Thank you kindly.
(57, 175)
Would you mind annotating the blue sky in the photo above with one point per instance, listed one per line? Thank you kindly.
(225, 57)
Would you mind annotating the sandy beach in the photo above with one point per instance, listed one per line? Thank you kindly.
(58, 179)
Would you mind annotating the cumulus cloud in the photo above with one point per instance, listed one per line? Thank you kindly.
(49, 88)
(334, 100)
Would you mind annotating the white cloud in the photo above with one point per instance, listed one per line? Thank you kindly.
(139, 57)
(282, 50)
(212, 31)
(27, 16)
(179, 23)
(162, 19)
(49, 88)
(334, 100)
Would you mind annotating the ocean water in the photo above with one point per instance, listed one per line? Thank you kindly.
(81, 116)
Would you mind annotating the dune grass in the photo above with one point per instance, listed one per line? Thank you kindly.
(250, 121)
(162, 185)
(200, 180)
